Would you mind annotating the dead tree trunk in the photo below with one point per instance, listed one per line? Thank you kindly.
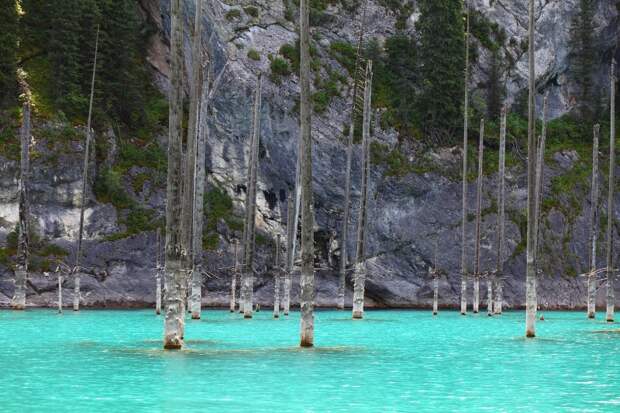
(59, 293)
(78, 252)
(290, 234)
(248, 275)
(360, 266)
(174, 324)
(276, 281)
(609, 316)
(478, 220)
(158, 274)
(435, 274)
(344, 256)
(188, 206)
(295, 225)
(593, 225)
(540, 170)
(501, 196)
(21, 266)
(490, 295)
(306, 297)
(464, 206)
(530, 283)
(233, 283)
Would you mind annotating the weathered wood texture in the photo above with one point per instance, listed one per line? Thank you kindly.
(609, 316)
(477, 269)
(591, 300)
(175, 277)
(464, 205)
(306, 298)
(360, 259)
(530, 276)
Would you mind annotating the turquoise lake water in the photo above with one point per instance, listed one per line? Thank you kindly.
(392, 361)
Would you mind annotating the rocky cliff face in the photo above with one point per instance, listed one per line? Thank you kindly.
(407, 211)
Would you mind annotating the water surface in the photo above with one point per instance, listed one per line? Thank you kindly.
(392, 361)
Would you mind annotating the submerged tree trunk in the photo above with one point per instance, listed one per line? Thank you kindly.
(248, 275)
(478, 220)
(158, 274)
(344, 255)
(276, 281)
(306, 297)
(233, 283)
(540, 169)
(490, 296)
(59, 293)
(530, 276)
(290, 234)
(435, 293)
(435, 274)
(501, 196)
(609, 316)
(174, 323)
(21, 266)
(593, 225)
(188, 207)
(360, 266)
(78, 253)
(464, 205)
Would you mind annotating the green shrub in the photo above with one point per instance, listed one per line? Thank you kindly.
(109, 188)
(150, 155)
(139, 220)
(344, 53)
(320, 100)
(279, 68)
(253, 54)
(233, 14)
(251, 11)
(217, 206)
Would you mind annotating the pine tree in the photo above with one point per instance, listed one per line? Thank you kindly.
(583, 57)
(8, 52)
(441, 58)
(122, 64)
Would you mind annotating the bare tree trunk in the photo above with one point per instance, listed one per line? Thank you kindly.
(610, 197)
(501, 197)
(435, 293)
(233, 284)
(78, 253)
(198, 214)
(478, 220)
(188, 205)
(540, 170)
(435, 273)
(489, 296)
(248, 276)
(276, 281)
(59, 293)
(344, 255)
(21, 266)
(464, 206)
(290, 234)
(360, 267)
(158, 275)
(530, 283)
(593, 225)
(306, 297)
(295, 224)
(174, 323)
